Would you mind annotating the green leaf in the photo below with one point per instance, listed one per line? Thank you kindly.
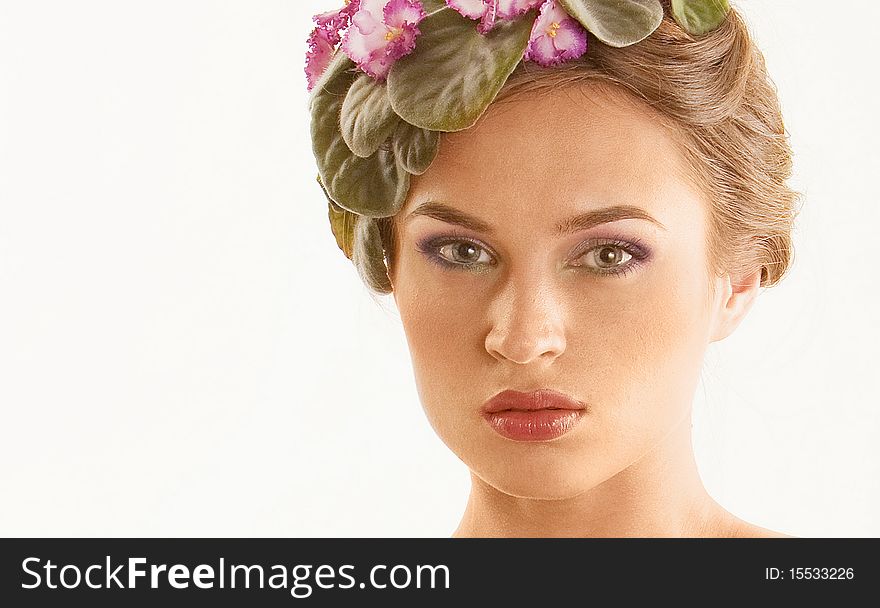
(342, 223)
(698, 17)
(369, 256)
(367, 119)
(375, 186)
(432, 6)
(455, 72)
(616, 22)
(415, 148)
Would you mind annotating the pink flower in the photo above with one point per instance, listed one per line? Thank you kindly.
(321, 45)
(382, 32)
(324, 38)
(556, 37)
(487, 11)
(510, 9)
(337, 20)
(484, 10)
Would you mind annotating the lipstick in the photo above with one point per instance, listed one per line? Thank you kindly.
(539, 415)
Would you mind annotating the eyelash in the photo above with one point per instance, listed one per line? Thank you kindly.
(431, 246)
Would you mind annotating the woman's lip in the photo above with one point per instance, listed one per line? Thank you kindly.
(534, 425)
(539, 415)
(541, 399)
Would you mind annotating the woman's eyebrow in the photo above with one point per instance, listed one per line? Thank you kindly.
(582, 221)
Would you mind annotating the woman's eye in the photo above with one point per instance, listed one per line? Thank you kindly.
(464, 253)
(606, 257)
(609, 258)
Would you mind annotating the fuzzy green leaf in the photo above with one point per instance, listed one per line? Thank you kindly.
(415, 148)
(369, 256)
(617, 23)
(432, 6)
(455, 72)
(342, 224)
(698, 17)
(375, 186)
(367, 119)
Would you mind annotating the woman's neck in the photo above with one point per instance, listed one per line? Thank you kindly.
(660, 495)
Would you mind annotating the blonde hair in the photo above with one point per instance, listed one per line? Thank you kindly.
(715, 93)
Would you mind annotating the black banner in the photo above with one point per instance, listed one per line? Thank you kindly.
(417, 572)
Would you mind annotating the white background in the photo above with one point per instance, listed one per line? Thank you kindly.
(185, 352)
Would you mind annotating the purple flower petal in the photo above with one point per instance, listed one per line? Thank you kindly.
(556, 37)
(324, 38)
(484, 10)
(510, 9)
(487, 22)
(489, 11)
(541, 50)
(365, 41)
(336, 20)
(472, 9)
(571, 40)
(321, 46)
(398, 13)
(403, 43)
(381, 32)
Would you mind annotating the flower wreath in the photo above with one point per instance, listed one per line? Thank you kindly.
(388, 76)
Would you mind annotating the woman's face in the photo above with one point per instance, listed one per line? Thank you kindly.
(558, 245)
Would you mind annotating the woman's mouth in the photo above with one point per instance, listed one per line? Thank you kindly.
(540, 415)
(534, 425)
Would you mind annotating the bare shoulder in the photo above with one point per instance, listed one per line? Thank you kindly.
(725, 524)
(744, 529)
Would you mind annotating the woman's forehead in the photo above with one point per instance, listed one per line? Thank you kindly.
(558, 153)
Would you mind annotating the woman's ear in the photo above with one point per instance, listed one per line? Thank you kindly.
(734, 298)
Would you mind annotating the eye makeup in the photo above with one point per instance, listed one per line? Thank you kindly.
(431, 247)
(637, 250)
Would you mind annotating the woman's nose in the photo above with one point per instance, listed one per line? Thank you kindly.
(527, 324)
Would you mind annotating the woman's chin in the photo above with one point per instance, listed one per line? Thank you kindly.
(535, 483)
